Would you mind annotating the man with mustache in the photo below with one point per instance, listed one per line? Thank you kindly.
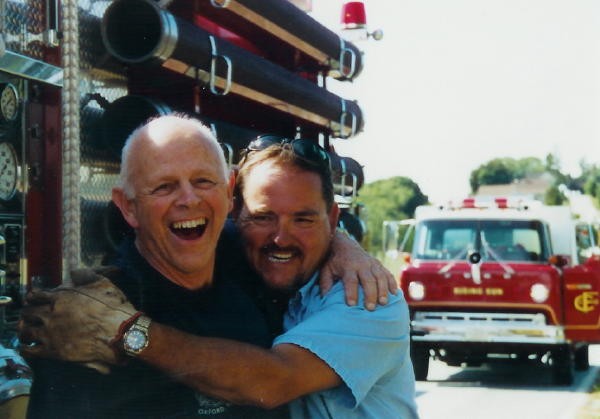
(176, 193)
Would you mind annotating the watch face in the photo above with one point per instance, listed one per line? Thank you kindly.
(9, 102)
(9, 171)
(136, 340)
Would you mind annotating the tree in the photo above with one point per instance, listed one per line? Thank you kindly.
(554, 196)
(591, 182)
(389, 199)
(495, 172)
(506, 170)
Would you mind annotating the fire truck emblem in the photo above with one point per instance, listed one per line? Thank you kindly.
(586, 301)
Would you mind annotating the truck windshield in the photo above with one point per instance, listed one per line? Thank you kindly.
(501, 240)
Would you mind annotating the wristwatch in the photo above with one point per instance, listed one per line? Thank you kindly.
(136, 338)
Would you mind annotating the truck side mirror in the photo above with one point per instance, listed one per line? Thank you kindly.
(558, 260)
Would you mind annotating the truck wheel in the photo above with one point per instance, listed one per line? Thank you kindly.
(582, 358)
(562, 366)
(420, 361)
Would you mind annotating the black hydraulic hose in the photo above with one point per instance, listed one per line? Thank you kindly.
(303, 26)
(140, 32)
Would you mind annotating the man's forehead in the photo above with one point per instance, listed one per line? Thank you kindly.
(163, 132)
(272, 187)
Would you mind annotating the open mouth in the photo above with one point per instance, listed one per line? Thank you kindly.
(189, 229)
(279, 256)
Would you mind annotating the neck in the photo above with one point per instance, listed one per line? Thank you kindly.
(189, 280)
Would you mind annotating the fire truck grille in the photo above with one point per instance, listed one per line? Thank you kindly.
(492, 328)
(520, 318)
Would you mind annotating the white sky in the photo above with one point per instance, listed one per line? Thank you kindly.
(456, 83)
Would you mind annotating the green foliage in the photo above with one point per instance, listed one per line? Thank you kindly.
(591, 182)
(389, 199)
(505, 170)
(554, 196)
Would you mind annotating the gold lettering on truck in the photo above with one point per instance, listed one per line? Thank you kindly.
(586, 301)
(494, 291)
(477, 291)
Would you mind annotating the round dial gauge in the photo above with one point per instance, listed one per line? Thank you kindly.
(9, 102)
(9, 171)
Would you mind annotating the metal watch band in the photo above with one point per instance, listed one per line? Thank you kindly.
(136, 339)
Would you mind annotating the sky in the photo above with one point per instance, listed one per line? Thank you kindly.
(456, 83)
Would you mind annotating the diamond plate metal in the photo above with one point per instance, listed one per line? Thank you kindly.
(102, 82)
(21, 21)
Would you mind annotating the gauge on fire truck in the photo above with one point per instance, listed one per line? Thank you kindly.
(9, 101)
(9, 171)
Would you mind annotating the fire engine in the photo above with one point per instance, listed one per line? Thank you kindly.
(501, 280)
(76, 77)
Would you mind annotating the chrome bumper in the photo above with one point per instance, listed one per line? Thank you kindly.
(484, 327)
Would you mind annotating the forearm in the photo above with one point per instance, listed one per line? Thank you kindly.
(224, 369)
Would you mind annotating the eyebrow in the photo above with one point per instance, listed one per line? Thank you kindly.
(306, 213)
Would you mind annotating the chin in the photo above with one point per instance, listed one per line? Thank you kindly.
(281, 283)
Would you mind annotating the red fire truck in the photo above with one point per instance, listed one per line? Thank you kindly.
(502, 279)
(76, 77)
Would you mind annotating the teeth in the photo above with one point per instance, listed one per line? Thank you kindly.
(190, 223)
(280, 256)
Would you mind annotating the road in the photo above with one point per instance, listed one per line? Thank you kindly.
(502, 390)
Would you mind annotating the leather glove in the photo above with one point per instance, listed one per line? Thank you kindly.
(76, 323)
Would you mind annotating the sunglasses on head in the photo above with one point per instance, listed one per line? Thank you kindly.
(306, 149)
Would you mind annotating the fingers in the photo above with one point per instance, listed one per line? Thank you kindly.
(369, 284)
(385, 282)
(35, 315)
(351, 289)
(31, 327)
(326, 280)
(32, 349)
(84, 276)
(392, 283)
(39, 297)
(32, 342)
(377, 282)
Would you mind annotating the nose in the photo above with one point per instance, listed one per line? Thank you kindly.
(187, 195)
(282, 236)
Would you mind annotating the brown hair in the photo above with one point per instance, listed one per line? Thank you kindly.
(284, 154)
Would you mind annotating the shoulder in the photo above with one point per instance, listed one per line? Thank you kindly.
(337, 296)
(330, 312)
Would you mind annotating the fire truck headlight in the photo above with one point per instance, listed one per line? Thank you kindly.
(416, 290)
(539, 293)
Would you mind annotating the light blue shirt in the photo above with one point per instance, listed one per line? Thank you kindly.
(368, 350)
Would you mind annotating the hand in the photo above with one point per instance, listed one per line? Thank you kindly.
(75, 323)
(350, 262)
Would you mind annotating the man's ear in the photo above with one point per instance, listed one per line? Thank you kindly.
(334, 215)
(126, 206)
(230, 192)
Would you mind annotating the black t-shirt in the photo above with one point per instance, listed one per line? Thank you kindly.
(234, 307)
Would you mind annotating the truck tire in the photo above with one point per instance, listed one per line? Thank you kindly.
(582, 358)
(562, 366)
(420, 361)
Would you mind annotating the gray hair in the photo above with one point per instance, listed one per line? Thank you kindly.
(205, 132)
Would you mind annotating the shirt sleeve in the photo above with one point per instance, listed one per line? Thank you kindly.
(361, 346)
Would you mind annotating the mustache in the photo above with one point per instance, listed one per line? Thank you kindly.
(272, 247)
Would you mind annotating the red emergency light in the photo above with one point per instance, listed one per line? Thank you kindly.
(468, 203)
(353, 15)
(501, 202)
